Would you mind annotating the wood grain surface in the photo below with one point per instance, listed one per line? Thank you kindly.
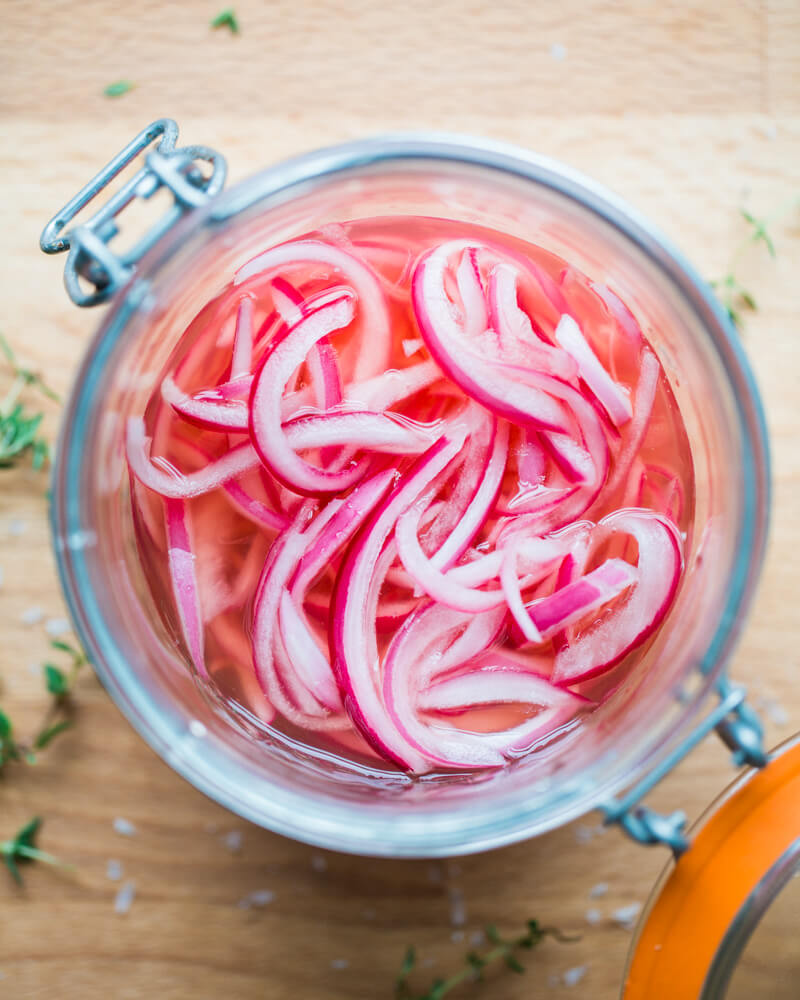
(687, 109)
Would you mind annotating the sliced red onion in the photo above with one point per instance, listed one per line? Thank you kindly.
(393, 386)
(483, 475)
(577, 599)
(515, 330)
(384, 432)
(477, 375)
(285, 354)
(211, 409)
(339, 530)
(174, 484)
(644, 399)
(307, 659)
(181, 560)
(475, 316)
(611, 395)
(253, 508)
(659, 567)
(376, 349)
(242, 358)
(351, 646)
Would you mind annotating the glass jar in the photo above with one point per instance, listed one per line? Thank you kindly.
(267, 779)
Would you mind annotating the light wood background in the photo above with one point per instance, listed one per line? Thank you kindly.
(687, 109)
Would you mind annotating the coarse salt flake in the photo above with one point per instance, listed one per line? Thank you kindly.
(573, 976)
(124, 898)
(124, 827)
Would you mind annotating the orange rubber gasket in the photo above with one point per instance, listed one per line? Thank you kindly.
(709, 885)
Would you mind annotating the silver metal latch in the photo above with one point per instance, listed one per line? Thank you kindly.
(91, 256)
(740, 729)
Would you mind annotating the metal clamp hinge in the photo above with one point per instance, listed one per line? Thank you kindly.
(740, 729)
(91, 256)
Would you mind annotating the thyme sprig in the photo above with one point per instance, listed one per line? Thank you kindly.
(226, 19)
(505, 950)
(22, 848)
(733, 295)
(59, 683)
(19, 427)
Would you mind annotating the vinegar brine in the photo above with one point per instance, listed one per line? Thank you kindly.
(412, 492)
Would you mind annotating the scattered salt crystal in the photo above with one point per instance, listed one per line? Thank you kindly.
(558, 52)
(197, 729)
(593, 916)
(124, 827)
(32, 616)
(598, 890)
(211, 827)
(259, 897)
(583, 834)
(477, 938)
(114, 870)
(626, 915)
(319, 863)
(233, 841)
(17, 527)
(412, 346)
(368, 913)
(768, 130)
(35, 669)
(457, 937)
(56, 626)
(573, 976)
(340, 963)
(124, 898)
(458, 909)
(2, 975)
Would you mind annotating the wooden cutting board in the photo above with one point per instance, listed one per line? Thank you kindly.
(687, 109)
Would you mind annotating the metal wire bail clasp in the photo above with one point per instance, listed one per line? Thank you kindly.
(91, 256)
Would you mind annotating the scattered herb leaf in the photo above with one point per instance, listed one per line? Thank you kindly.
(729, 289)
(50, 732)
(56, 680)
(118, 88)
(19, 429)
(226, 19)
(22, 848)
(504, 950)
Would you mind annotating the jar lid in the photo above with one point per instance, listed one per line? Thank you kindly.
(708, 904)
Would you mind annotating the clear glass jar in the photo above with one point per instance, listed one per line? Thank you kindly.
(326, 803)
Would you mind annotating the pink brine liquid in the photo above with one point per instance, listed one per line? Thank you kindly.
(412, 493)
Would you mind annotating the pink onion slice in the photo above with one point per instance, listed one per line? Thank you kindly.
(210, 409)
(384, 432)
(643, 402)
(577, 599)
(477, 375)
(307, 659)
(253, 508)
(484, 486)
(242, 357)
(659, 567)
(475, 315)
(612, 396)
(515, 330)
(393, 386)
(351, 646)
(174, 484)
(285, 353)
(376, 349)
(181, 562)
(339, 530)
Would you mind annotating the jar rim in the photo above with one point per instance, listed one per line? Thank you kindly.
(211, 771)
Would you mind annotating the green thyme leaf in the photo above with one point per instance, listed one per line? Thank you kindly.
(226, 19)
(22, 848)
(118, 88)
(50, 732)
(56, 680)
